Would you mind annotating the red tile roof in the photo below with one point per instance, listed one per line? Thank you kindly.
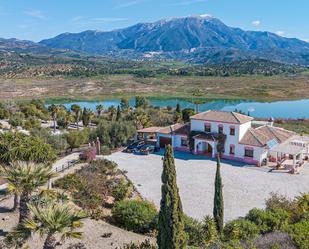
(175, 128)
(261, 135)
(222, 116)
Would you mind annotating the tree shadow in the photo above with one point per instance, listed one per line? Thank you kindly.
(3, 233)
(6, 210)
(186, 156)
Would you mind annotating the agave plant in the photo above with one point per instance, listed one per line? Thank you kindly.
(24, 178)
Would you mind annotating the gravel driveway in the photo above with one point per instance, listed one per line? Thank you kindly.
(245, 187)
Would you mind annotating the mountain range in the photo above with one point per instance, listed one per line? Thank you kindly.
(196, 39)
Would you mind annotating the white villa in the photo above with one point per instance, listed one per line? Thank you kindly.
(235, 133)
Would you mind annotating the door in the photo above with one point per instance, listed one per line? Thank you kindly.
(165, 141)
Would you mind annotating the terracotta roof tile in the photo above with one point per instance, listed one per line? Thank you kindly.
(175, 128)
(222, 116)
(153, 129)
(261, 135)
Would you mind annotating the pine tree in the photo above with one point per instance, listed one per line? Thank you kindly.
(218, 199)
(171, 233)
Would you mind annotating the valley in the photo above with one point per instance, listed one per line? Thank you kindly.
(258, 87)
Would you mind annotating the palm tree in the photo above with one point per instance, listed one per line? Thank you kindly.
(77, 110)
(197, 93)
(54, 109)
(50, 220)
(99, 109)
(54, 219)
(112, 110)
(24, 178)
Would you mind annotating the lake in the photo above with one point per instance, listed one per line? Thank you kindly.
(277, 109)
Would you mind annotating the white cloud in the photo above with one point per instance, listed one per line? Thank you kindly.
(35, 13)
(281, 33)
(256, 23)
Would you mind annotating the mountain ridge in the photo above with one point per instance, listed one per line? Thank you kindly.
(195, 39)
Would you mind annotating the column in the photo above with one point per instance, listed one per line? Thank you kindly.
(294, 161)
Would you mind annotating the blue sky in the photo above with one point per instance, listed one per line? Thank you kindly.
(39, 19)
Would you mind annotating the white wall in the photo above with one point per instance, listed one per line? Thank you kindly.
(240, 130)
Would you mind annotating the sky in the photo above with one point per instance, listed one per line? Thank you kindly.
(39, 19)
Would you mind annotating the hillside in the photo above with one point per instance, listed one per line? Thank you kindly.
(198, 39)
(23, 65)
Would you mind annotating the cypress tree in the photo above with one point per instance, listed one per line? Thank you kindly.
(118, 115)
(178, 108)
(218, 199)
(171, 233)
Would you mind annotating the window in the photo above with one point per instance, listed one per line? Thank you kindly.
(184, 142)
(232, 150)
(207, 127)
(249, 153)
(232, 131)
(220, 129)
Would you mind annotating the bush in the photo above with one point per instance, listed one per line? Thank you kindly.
(144, 245)
(277, 201)
(114, 134)
(76, 138)
(195, 231)
(299, 232)
(240, 230)
(105, 166)
(88, 155)
(122, 190)
(105, 151)
(269, 220)
(136, 216)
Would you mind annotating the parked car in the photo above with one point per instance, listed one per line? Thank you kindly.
(134, 146)
(147, 149)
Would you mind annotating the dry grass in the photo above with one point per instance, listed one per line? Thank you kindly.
(247, 87)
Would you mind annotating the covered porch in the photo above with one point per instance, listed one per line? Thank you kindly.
(205, 145)
(289, 156)
(148, 134)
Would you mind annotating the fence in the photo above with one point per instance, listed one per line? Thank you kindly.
(66, 166)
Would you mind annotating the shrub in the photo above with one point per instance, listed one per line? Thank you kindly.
(114, 134)
(72, 182)
(136, 216)
(122, 190)
(211, 233)
(88, 155)
(277, 201)
(299, 232)
(302, 207)
(195, 232)
(240, 229)
(272, 240)
(144, 245)
(269, 220)
(105, 166)
(76, 138)
(105, 151)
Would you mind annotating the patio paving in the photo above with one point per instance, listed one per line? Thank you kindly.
(245, 187)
